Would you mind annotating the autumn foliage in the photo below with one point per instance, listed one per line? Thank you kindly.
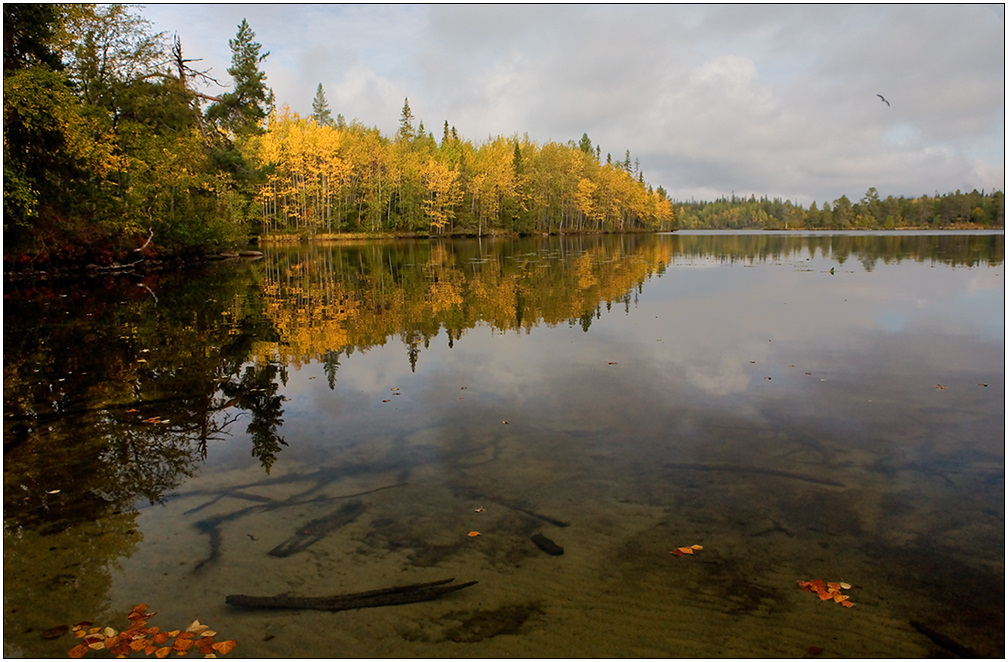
(828, 590)
(325, 179)
(149, 640)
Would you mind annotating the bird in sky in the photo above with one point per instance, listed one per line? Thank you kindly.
(884, 99)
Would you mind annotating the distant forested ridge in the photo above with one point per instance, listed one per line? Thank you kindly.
(113, 155)
(950, 211)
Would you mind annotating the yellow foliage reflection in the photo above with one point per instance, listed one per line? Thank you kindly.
(340, 298)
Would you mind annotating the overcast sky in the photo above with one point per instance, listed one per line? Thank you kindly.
(712, 99)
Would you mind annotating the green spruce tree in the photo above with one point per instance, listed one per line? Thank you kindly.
(320, 108)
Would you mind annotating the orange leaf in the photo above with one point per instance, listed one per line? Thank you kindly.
(160, 637)
(183, 635)
(182, 645)
(78, 651)
(225, 647)
(833, 585)
(137, 644)
(173, 633)
(697, 546)
(205, 645)
(150, 649)
(678, 552)
(163, 652)
(686, 550)
(847, 603)
(473, 534)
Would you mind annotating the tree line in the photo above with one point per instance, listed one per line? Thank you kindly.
(975, 209)
(325, 177)
(109, 145)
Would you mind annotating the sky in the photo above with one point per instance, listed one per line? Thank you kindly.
(713, 100)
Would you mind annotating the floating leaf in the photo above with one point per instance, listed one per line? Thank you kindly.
(480, 509)
(828, 590)
(78, 651)
(473, 534)
(225, 647)
(196, 627)
(683, 551)
(163, 652)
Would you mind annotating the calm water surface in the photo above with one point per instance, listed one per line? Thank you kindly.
(802, 406)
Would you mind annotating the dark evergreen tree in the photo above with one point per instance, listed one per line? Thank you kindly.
(243, 110)
(320, 108)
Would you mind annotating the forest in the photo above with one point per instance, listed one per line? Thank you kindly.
(949, 211)
(114, 155)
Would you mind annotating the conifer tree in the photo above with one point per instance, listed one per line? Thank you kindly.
(320, 108)
(243, 110)
(406, 123)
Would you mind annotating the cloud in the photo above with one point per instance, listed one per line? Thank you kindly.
(775, 100)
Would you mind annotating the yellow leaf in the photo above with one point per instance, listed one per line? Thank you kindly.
(845, 586)
(196, 627)
(225, 647)
(697, 546)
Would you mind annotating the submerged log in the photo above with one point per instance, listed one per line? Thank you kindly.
(395, 595)
(310, 533)
(945, 642)
(731, 468)
(547, 545)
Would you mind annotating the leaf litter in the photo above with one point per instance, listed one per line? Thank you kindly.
(151, 640)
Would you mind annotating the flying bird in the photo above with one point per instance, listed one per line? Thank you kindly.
(884, 99)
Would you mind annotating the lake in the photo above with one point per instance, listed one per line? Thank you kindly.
(340, 418)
